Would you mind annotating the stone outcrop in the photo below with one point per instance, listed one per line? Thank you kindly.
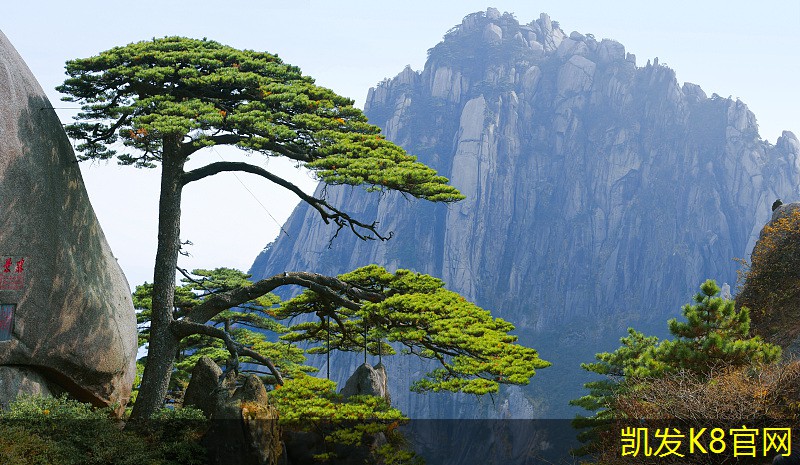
(66, 311)
(202, 391)
(244, 428)
(368, 381)
(600, 194)
(15, 380)
(770, 289)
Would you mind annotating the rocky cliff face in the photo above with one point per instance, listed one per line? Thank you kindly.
(770, 289)
(600, 194)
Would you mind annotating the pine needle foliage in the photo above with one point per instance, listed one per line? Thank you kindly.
(475, 351)
(312, 405)
(713, 337)
(159, 102)
(205, 93)
(714, 334)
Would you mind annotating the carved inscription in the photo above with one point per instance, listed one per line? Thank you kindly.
(12, 273)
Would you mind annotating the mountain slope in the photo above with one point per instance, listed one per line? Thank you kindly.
(599, 195)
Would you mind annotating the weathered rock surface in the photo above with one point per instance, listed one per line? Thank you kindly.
(21, 380)
(368, 381)
(599, 195)
(74, 322)
(202, 390)
(244, 428)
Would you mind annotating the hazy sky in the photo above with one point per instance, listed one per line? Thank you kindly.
(735, 48)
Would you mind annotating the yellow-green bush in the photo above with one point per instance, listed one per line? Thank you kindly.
(58, 430)
(771, 287)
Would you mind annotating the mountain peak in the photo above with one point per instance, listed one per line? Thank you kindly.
(486, 33)
(592, 185)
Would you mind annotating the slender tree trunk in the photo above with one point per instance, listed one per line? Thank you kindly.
(163, 345)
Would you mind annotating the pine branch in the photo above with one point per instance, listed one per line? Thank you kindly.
(183, 328)
(326, 211)
(339, 292)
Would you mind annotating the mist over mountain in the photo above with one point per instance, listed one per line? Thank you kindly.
(600, 194)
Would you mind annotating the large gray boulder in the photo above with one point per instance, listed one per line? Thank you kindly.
(66, 307)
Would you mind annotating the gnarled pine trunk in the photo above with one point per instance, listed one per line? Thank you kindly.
(163, 344)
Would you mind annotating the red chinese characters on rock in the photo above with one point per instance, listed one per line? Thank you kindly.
(12, 273)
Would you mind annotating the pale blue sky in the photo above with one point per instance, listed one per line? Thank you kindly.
(735, 48)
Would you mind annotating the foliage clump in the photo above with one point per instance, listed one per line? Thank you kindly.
(149, 93)
(755, 397)
(367, 309)
(474, 350)
(312, 405)
(59, 430)
(248, 324)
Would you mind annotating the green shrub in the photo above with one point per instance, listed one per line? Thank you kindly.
(58, 430)
(188, 414)
(18, 446)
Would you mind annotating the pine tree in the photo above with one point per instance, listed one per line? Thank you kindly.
(714, 336)
(475, 351)
(166, 99)
(633, 359)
